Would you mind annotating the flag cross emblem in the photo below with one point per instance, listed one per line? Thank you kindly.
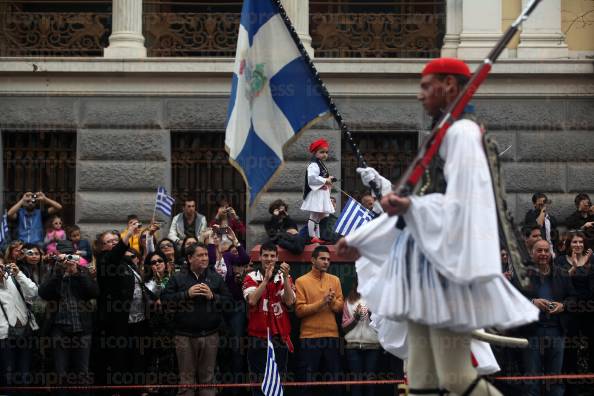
(255, 78)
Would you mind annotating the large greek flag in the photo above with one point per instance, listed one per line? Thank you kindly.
(353, 216)
(274, 95)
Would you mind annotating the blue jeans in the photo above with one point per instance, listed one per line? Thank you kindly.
(363, 364)
(544, 356)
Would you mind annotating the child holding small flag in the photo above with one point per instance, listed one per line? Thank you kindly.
(316, 191)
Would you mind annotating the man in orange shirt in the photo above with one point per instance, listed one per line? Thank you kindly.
(318, 300)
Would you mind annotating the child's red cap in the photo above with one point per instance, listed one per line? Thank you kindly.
(318, 144)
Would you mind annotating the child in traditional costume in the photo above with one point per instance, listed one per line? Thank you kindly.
(316, 191)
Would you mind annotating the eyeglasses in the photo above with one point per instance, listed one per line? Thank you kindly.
(132, 255)
(157, 261)
(166, 245)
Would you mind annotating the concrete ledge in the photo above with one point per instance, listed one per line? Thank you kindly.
(305, 257)
(336, 66)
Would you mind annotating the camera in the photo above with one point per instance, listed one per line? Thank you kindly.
(333, 179)
(551, 306)
(29, 252)
(72, 257)
(8, 270)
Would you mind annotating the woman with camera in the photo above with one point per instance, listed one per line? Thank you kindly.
(15, 254)
(120, 307)
(17, 324)
(34, 263)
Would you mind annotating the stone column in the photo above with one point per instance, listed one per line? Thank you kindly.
(126, 40)
(451, 39)
(298, 12)
(541, 36)
(481, 28)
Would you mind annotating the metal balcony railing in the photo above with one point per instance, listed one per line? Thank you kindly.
(388, 28)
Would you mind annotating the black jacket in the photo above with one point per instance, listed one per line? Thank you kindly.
(279, 225)
(196, 316)
(576, 221)
(562, 291)
(83, 288)
(116, 282)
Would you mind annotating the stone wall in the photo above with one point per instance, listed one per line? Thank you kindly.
(124, 147)
(552, 149)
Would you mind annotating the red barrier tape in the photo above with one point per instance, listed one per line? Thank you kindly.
(285, 384)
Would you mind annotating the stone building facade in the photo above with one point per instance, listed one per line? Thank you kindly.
(123, 107)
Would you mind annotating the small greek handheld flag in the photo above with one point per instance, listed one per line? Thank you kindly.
(274, 95)
(164, 202)
(271, 385)
(4, 228)
(353, 216)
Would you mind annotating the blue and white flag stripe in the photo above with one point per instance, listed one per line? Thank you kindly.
(271, 385)
(274, 95)
(164, 202)
(353, 216)
(4, 227)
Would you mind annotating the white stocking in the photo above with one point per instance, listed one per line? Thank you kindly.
(313, 225)
(421, 372)
(440, 358)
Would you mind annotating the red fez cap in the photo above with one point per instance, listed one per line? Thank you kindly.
(318, 144)
(446, 66)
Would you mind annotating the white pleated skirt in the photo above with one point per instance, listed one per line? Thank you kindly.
(408, 287)
(318, 201)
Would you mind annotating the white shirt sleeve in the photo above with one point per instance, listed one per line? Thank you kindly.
(28, 287)
(314, 179)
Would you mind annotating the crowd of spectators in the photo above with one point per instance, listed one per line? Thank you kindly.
(192, 308)
(562, 287)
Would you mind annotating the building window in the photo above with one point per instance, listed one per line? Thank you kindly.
(190, 28)
(201, 170)
(389, 152)
(54, 28)
(41, 161)
(377, 28)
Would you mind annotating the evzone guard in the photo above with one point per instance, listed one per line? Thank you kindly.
(438, 273)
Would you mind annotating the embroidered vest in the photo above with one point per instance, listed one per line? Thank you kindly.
(323, 173)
